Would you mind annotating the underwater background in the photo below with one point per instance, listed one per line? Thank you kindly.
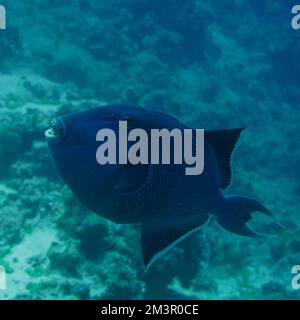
(211, 64)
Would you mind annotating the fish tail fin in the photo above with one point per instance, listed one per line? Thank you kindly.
(237, 213)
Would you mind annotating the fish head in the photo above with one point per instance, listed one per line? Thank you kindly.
(72, 141)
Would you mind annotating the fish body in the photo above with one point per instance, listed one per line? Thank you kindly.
(167, 203)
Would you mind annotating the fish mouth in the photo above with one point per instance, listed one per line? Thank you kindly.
(57, 132)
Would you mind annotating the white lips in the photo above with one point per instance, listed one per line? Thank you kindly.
(53, 137)
(56, 131)
(50, 133)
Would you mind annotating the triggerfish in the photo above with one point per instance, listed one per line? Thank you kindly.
(167, 203)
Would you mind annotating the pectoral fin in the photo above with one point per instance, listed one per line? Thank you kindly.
(158, 238)
(131, 177)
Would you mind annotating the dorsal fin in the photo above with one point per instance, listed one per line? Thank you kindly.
(223, 143)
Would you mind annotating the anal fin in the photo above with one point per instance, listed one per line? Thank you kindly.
(158, 238)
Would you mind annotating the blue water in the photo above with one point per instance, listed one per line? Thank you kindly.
(211, 64)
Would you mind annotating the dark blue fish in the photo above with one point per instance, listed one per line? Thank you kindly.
(168, 203)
